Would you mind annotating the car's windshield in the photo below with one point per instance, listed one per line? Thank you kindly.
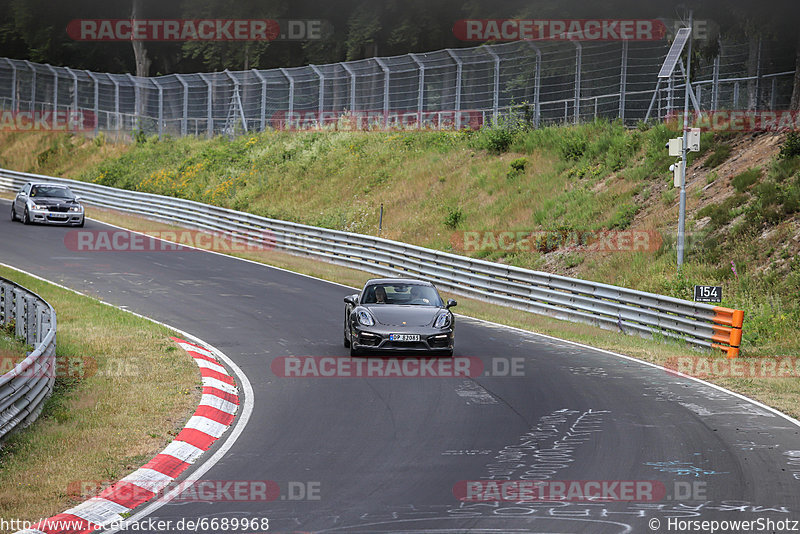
(401, 293)
(51, 192)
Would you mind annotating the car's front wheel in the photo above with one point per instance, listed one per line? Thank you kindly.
(26, 219)
(13, 213)
(354, 351)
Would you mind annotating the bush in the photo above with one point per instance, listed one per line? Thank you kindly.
(718, 157)
(791, 147)
(453, 218)
(744, 180)
(572, 146)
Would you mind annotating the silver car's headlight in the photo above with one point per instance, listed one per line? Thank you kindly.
(365, 318)
(75, 208)
(35, 206)
(443, 321)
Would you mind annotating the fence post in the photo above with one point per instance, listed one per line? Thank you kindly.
(291, 90)
(185, 118)
(578, 62)
(670, 94)
(623, 80)
(13, 84)
(496, 92)
(209, 105)
(74, 89)
(352, 86)
(116, 102)
(735, 95)
(236, 100)
(263, 98)
(758, 74)
(536, 83)
(385, 69)
(160, 105)
(321, 97)
(772, 97)
(33, 84)
(96, 101)
(420, 89)
(55, 86)
(459, 70)
(715, 81)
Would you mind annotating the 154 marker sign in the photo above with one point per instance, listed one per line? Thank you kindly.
(708, 293)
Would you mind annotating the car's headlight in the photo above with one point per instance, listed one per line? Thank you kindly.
(443, 321)
(35, 206)
(75, 208)
(365, 318)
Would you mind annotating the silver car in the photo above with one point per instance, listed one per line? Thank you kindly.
(41, 202)
(398, 314)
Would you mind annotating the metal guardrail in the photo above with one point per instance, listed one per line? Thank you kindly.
(603, 305)
(24, 388)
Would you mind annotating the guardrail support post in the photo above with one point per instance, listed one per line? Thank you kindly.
(19, 313)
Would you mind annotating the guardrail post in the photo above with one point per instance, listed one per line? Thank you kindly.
(578, 66)
(185, 117)
(496, 92)
(321, 97)
(623, 80)
(420, 88)
(385, 69)
(31, 313)
(19, 313)
(209, 110)
(263, 98)
(96, 102)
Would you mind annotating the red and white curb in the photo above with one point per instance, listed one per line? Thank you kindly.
(214, 414)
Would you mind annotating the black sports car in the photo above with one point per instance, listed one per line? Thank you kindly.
(397, 314)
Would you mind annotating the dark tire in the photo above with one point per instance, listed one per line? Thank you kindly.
(449, 353)
(13, 213)
(354, 351)
(81, 224)
(346, 342)
(26, 219)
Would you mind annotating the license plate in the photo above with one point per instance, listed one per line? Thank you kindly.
(403, 337)
(58, 215)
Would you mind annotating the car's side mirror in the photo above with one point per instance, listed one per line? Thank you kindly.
(451, 303)
(351, 299)
(78, 199)
(21, 194)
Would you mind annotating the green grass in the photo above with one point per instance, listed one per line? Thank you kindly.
(118, 399)
(436, 185)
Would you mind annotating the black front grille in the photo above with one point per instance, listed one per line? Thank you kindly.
(61, 208)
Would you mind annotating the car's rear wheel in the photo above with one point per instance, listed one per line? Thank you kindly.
(26, 219)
